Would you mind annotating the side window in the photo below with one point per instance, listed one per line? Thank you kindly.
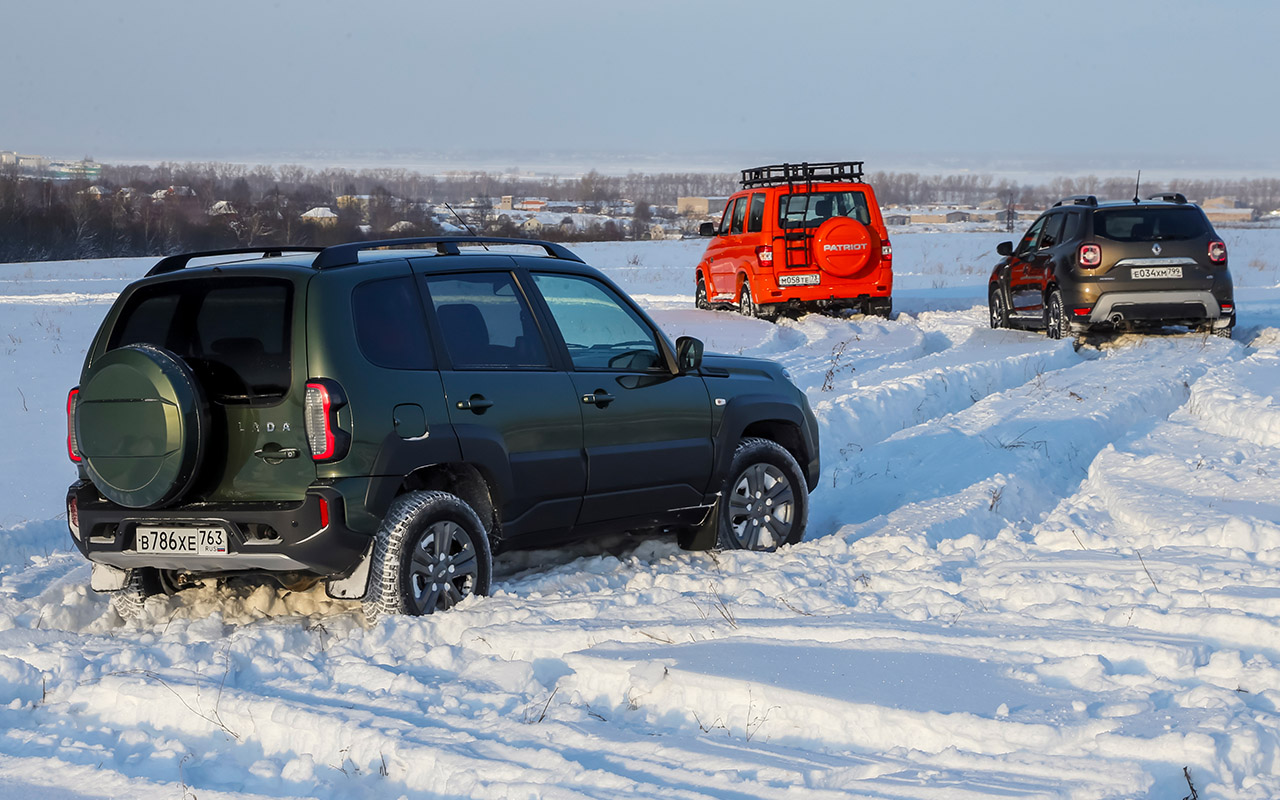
(739, 214)
(1029, 240)
(729, 211)
(755, 220)
(1071, 231)
(1052, 231)
(486, 322)
(601, 331)
(390, 327)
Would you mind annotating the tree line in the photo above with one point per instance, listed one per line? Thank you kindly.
(135, 210)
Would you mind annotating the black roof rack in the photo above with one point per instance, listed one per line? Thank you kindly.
(1169, 197)
(341, 255)
(179, 262)
(1077, 200)
(807, 173)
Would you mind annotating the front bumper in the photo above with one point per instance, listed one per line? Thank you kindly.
(262, 537)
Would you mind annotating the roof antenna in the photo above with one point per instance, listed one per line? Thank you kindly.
(1135, 188)
(465, 225)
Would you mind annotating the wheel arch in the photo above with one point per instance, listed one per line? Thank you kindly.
(467, 481)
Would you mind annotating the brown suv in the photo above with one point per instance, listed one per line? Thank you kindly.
(798, 236)
(1085, 265)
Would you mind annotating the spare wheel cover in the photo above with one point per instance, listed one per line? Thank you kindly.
(842, 246)
(142, 423)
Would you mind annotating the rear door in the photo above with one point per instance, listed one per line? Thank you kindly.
(516, 415)
(245, 344)
(646, 432)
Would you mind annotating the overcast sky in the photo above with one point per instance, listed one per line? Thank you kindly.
(900, 84)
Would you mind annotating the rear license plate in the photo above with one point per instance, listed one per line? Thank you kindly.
(182, 541)
(1156, 272)
(812, 279)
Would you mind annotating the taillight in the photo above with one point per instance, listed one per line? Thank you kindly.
(764, 255)
(1228, 309)
(73, 447)
(886, 251)
(324, 513)
(73, 515)
(1083, 312)
(320, 415)
(1090, 255)
(1218, 252)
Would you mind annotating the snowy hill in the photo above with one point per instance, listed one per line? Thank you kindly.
(1031, 572)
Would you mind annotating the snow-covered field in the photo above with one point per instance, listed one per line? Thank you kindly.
(1030, 572)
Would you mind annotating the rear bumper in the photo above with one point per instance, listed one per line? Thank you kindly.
(830, 288)
(300, 542)
(1161, 306)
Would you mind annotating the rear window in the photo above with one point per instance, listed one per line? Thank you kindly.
(811, 209)
(232, 332)
(1140, 224)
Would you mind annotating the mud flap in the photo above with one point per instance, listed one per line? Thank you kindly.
(354, 586)
(106, 578)
(705, 536)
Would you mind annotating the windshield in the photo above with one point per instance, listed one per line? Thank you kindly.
(1149, 224)
(811, 209)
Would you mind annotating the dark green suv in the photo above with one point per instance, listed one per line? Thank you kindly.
(1085, 265)
(385, 418)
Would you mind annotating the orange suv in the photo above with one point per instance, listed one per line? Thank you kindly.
(802, 237)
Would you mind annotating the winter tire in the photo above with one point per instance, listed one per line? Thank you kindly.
(700, 295)
(430, 553)
(1055, 319)
(999, 313)
(130, 600)
(765, 501)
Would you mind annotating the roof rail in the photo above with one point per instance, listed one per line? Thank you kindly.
(178, 262)
(1169, 197)
(807, 173)
(341, 255)
(1077, 200)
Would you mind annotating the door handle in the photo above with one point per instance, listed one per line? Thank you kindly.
(476, 404)
(600, 399)
(277, 454)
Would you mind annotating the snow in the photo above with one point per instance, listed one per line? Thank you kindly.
(1031, 572)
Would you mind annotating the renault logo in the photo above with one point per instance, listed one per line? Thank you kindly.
(1155, 248)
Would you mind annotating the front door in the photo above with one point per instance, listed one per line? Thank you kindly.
(1026, 273)
(515, 415)
(647, 432)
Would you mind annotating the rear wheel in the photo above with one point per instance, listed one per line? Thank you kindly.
(765, 501)
(130, 600)
(999, 311)
(1055, 320)
(748, 308)
(881, 308)
(430, 553)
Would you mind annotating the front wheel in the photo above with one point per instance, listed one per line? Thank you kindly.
(765, 501)
(1055, 318)
(700, 295)
(999, 311)
(430, 553)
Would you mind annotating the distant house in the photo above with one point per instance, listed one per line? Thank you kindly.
(701, 206)
(939, 216)
(404, 227)
(897, 218)
(222, 208)
(320, 215)
(1220, 214)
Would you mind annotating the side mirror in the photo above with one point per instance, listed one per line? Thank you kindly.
(707, 229)
(1005, 248)
(688, 354)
